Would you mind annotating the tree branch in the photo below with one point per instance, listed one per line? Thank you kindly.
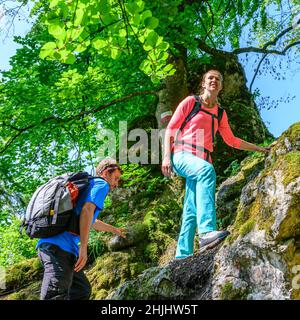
(265, 51)
(269, 43)
(212, 20)
(256, 71)
(75, 117)
(216, 52)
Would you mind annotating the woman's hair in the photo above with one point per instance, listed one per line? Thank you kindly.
(201, 90)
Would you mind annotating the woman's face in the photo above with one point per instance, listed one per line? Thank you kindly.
(212, 82)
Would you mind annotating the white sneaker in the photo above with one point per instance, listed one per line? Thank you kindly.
(211, 239)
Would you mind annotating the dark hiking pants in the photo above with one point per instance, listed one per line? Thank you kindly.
(60, 281)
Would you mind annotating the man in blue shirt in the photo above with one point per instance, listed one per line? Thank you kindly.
(62, 257)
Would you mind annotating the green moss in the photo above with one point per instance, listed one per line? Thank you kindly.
(255, 215)
(111, 270)
(136, 268)
(292, 257)
(228, 292)
(22, 273)
(250, 163)
(292, 133)
(291, 166)
(295, 263)
(146, 286)
(100, 294)
(140, 232)
(247, 227)
(233, 168)
(150, 220)
(31, 292)
(290, 226)
(152, 251)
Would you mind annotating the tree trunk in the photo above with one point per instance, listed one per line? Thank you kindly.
(175, 89)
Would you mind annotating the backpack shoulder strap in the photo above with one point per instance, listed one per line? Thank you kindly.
(194, 111)
(220, 114)
(95, 177)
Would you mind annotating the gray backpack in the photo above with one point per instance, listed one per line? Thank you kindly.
(51, 208)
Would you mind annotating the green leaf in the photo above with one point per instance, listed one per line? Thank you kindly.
(76, 33)
(137, 19)
(151, 22)
(54, 3)
(108, 18)
(104, 6)
(168, 67)
(99, 44)
(64, 53)
(151, 39)
(70, 59)
(163, 55)
(47, 49)
(135, 7)
(114, 53)
(163, 46)
(155, 79)
(145, 66)
(80, 48)
(80, 14)
(57, 32)
(146, 14)
(56, 55)
(132, 8)
(122, 32)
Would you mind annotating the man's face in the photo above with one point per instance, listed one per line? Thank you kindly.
(112, 178)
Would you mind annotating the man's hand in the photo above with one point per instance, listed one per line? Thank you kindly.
(121, 232)
(82, 259)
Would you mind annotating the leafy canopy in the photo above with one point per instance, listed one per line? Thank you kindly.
(87, 64)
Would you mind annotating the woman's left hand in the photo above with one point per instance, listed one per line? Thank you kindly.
(265, 150)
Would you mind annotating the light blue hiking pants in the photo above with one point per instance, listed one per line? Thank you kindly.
(199, 202)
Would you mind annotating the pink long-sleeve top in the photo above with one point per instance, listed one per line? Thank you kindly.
(192, 133)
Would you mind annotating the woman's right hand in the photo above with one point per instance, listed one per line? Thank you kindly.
(166, 167)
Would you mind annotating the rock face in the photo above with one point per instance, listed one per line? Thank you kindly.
(259, 205)
(258, 260)
(188, 278)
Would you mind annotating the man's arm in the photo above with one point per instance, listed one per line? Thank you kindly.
(85, 222)
(101, 226)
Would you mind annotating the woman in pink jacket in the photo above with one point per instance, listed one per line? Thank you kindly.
(188, 146)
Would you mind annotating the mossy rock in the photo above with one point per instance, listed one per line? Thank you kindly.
(136, 235)
(228, 196)
(153, 283)
(229, 292)
(23, 273)
(289, 165)
(290, 138)
(111, 270)
(290, 226)
(31, 292)
(251, 163)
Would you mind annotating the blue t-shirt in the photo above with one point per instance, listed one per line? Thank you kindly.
(95, 193)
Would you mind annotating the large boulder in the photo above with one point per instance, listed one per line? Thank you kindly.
(261, 258)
